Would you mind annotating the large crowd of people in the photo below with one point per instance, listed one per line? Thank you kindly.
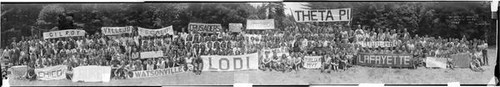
(337, 45)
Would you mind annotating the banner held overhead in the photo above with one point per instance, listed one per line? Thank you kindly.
(155, 32)
(63, 33)
(260, 24)
(202, 27)
(322, 15)
(116, 30)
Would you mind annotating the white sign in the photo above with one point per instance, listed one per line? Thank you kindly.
(322, 15)
(151, 54)
(155, 32)
(52, 73)
(63, 33)
(312, 62)
(92, 74)
(116, 30)
(436, 62)
(235, 27)
(230, 63)
(260, 24)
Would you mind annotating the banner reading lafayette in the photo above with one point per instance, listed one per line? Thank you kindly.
(116, 30)
(52, 73)
(322, 15)
(63, 33)
(385, 60)
(230, 63)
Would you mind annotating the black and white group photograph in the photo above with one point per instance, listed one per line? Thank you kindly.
(252, 43)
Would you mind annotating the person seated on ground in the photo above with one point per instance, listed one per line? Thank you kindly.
(335, 61)
(266, 61)
(189, 61)
(285, 62)
(149, 64)
(30, 74)
(325, 60)
(343, 61)
(198, 64)
(275, 62)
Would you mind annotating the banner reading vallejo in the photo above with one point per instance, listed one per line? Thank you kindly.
(375, 44)
(155, 32)
(153, 73)
(202, 27)
(385, 60)
(312, 62)
(52, 73)
(260, 24)
(63, 33)
(230, 63)
(322, 15)
(116, 30)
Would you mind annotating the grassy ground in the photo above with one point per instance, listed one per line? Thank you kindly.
(356, 74)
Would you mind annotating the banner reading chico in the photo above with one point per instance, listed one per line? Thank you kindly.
(52, 73)
(116, 30)
(322, 15)
(153, 73)
(63, 33)
(155, 32)
(385, 60)
(230, 63)
(312, 62)
(202, 27)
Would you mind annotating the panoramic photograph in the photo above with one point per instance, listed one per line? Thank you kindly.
(259, 43)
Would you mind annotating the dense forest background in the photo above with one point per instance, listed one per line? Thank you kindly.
(445, 19)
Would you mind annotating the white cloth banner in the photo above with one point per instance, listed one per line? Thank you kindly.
(312, 62)
(116, 30)
(52, 73)
(260, 24)
(375, 44)
(63, 33)
(151, 54)
(155, 32)
(230, 63)
(436, 62)
(322, 15)
(156, 73)
(92, 74)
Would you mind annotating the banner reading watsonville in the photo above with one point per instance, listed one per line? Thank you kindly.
(52, 73)
(260, 24)
(311, 62)
(322, 15)
(63, 33)
(230, 63)
(202, 27)
(154, 73)
(155, 32)
(116, 30)
(385, 60)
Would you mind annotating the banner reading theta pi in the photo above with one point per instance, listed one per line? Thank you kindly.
(52, 73)
(230, 63)
(322, 15)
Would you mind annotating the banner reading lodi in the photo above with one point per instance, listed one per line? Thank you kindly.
(230, 63)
